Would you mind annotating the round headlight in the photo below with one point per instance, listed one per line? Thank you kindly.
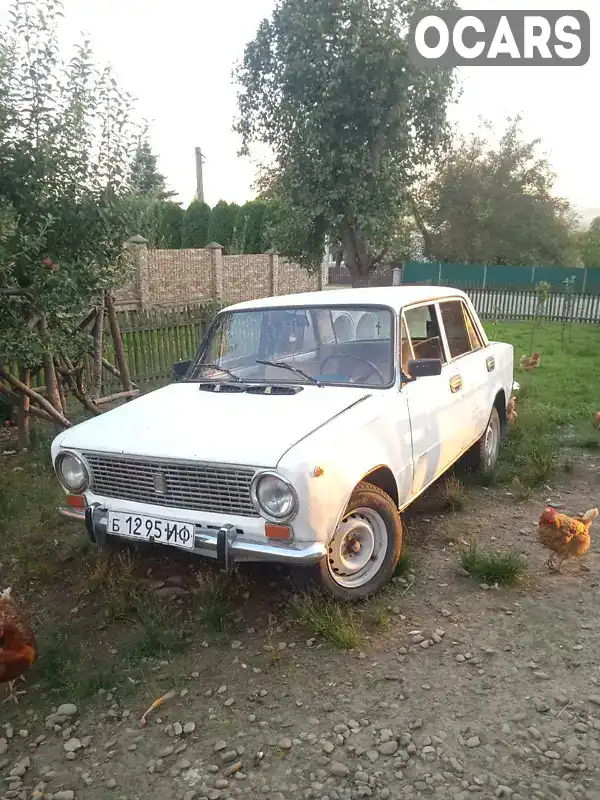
(274, 497)
(72, 472)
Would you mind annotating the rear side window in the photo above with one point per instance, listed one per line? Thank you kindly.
(460, 331)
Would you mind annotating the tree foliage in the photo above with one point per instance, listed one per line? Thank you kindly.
(66, 146)
(330, 87)
(222, 224)
(170, 229)
(195, 225)
(145, 177)
(250, 234)
(489, 204)
(590, 245)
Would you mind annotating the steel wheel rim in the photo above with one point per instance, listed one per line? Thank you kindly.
(492, 439)
(357, 549)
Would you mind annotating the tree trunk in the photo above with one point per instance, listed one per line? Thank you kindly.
(23, 411)
(117, 339)
(61, 388)
(97, 353)
(52, 392)
(356, 256)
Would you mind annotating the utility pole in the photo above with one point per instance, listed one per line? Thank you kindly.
(199, 178)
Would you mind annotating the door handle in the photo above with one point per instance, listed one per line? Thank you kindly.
(455, 384)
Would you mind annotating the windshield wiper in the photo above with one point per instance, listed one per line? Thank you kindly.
(298, 371)
(221, 369)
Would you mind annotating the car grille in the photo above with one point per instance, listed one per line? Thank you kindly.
(201, 487)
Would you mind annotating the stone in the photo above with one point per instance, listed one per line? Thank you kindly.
(338, 769)
(72, 745)
(473, 741)
(284, 744)
(65, 794)
(189, 727)
(595, 699)
(67, 710)
(388, 748)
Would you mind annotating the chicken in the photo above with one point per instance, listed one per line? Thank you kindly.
(530, 363)
(511, 409)
(18, 649)
(567, 537)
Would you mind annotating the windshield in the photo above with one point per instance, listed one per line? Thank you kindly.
(334, 345)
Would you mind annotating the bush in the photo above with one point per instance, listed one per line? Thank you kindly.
(171, 224)
(222, 224)
(196, 222)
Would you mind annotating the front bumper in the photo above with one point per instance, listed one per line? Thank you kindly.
(227, 544)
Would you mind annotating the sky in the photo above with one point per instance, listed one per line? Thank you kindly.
(176, 57)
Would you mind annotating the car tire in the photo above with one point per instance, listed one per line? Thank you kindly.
(484, 454)
(365, 548)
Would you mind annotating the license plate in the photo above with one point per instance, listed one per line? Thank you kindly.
(153, 529)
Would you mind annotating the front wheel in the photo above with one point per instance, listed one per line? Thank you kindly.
(365, 547)
(485, 453)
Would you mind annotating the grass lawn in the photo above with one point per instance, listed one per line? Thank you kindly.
(100, 622)
(556, 404)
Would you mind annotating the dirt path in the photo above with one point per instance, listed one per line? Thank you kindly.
(500, 699)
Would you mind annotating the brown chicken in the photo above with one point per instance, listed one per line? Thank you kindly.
(529, 363)
(18, 649)
(511, 410)
(567, 537)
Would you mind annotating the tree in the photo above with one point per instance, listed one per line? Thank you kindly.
(145, 177)
(250, 234)
(590, 246)
(222, 223)
(195, 225)
(330, 87)
(489, 204)
(170, 228)
(66, 146)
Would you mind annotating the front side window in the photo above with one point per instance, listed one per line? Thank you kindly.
(331, 345)
(424, 332)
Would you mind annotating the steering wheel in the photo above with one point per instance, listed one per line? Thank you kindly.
(362, 378)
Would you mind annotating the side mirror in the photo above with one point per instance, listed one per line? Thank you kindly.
(179, 370)
(424, 367)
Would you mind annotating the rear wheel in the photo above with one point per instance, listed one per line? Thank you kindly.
(365, 546)
(484, 454)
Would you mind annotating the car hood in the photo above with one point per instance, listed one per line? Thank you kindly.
(182, 422)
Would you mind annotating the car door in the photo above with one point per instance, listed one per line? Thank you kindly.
(467, 355)
(432, 401)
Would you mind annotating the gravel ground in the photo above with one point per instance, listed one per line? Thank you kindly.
(471, 691)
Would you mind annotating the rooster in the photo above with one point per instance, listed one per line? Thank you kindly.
(18, 648)
(567, 537)
(529, 363)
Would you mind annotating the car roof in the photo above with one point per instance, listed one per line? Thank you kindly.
(395, 297)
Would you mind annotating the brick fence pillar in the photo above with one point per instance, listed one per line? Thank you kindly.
(137, 247)
(216, 260)
(273, 273)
